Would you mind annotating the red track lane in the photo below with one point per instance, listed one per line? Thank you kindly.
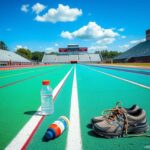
(20, 67)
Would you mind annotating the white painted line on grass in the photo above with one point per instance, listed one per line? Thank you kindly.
(74, 141)
(24, 136)
(123, 79)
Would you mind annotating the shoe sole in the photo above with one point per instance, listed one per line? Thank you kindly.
(135, 130)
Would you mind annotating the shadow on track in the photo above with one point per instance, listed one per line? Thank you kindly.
(33, 112)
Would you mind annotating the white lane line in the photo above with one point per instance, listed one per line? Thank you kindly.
(74, 141)
(24, 134)
(123, 79)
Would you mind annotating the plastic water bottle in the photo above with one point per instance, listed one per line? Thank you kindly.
(56, 128)
(47, 104)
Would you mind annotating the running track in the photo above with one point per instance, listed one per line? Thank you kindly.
(85, 92)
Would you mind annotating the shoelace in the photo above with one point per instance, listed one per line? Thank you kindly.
(114, 113)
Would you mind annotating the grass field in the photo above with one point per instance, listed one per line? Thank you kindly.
(98, 88)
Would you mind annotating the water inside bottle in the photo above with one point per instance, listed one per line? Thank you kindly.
(47, 106)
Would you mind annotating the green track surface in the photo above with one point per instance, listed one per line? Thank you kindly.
(18, 101)
(96, 92)
(139, 78)
(62, 107)
(99, 92)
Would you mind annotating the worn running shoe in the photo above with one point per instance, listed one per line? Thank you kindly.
(122, 123)
(104, 116)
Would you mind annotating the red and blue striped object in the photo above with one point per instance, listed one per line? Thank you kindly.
(56, 128)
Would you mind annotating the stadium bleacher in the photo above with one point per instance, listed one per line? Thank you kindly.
(94, 58)
(49, 58)
(62, 59)
(81, 58)
(140, 52)
(84, 58)
(73, 58)
(8, 56)
(72, 54)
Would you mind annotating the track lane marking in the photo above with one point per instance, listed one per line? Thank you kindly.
(123, 79)
(24, 79)
(74, 141)
(24, 136)
(24, 72)
(17, 74)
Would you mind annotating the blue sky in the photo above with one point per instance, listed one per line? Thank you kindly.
(46, 25)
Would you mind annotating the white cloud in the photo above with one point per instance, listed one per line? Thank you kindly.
(50, 49)
(131, 44)
(136, 41)
(90, 31)
(67, 35)
(21, 46)
(25, 8)
(106, 41)
(37, 8)
(97, 48)
(123, 37)
(121, 29)
(63, 14)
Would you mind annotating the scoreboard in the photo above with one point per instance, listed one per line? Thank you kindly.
(73, 49)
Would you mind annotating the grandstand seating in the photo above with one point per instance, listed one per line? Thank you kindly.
(62, 58)
(94, 57)
(7, 56)
(140, 50)
(49, 58)
(84, 58)
(73, 58)
(87, 58)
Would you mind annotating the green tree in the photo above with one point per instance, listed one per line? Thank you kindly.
(37, 56)
(108, 54)
(24, 53)
(3, 46)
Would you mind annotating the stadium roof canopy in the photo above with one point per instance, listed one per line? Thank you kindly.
(140, 50)
(11, 56)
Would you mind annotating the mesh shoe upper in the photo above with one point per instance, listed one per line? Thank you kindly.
(121, 123)
(132, 109)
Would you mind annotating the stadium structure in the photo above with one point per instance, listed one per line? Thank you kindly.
(72, 54)
(138, 53)
(11, 58)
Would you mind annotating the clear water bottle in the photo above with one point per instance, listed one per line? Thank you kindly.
(47, 104)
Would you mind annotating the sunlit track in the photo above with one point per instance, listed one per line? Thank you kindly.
(87, 92)
(125, 70)
(3, 73)
(25, 72)
(24, 79)
(74, 141)
(123, 79)
(17, 74)
(16, 71)
(31, 126)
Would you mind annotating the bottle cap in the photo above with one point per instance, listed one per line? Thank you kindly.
(45, 82)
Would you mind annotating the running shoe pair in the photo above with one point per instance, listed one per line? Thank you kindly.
(119, 121)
